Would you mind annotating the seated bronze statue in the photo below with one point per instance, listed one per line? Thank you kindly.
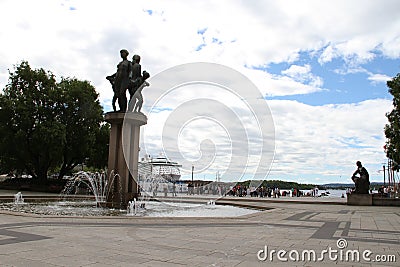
(362, 181)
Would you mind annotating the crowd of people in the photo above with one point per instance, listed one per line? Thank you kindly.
(263, 191)
(221, 189)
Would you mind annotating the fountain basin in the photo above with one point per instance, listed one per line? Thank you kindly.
(152, 209)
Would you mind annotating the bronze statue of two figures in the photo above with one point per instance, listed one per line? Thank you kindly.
(129, 77)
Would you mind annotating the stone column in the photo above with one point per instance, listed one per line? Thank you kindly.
(123, 155)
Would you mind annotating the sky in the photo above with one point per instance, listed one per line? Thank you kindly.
(289, 90)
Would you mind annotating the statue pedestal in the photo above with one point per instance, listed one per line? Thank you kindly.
(359, 199)
(123, 155)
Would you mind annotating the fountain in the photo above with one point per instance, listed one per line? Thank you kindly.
(135, 206)
(132, 207)
(86, 194)
(18, 199)
(211, 203)
(96, 184)
(123, 189)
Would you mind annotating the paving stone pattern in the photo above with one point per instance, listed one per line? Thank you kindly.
(131, 241)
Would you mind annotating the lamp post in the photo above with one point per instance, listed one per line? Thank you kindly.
(384, 176)
(192, 173)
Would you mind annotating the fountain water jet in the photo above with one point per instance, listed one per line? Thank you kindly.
(96, 184)
(18, 199)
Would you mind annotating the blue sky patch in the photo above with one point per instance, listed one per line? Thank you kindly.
(201, 31)
(149, 11)
(342, 86)
(200, 47)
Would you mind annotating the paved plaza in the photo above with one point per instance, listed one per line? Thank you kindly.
(335, 232)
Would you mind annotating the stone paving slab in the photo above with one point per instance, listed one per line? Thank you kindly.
(132, 241)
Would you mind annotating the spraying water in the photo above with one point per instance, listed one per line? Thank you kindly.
(18, 198)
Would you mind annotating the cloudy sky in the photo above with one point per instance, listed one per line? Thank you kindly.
(320, 69)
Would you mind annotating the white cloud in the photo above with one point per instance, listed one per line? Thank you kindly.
(303, 75)
(329, 53)
(318, 138)
(391, 46)
(379, 78)
(321, 141)
(211, 117)
(295, 80)
(82, 39)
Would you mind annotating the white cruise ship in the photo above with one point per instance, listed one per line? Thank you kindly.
(161, 167)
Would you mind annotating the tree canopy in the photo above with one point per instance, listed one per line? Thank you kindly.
(47, 125)
(81, 114)
(280, 184)
(392, 129)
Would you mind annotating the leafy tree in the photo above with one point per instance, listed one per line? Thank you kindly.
(81, 113)
(32, 135)
(98, 157)
(281, 184)
(47, 125)
(392, 130)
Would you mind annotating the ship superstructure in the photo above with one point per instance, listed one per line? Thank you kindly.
(159, 167)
